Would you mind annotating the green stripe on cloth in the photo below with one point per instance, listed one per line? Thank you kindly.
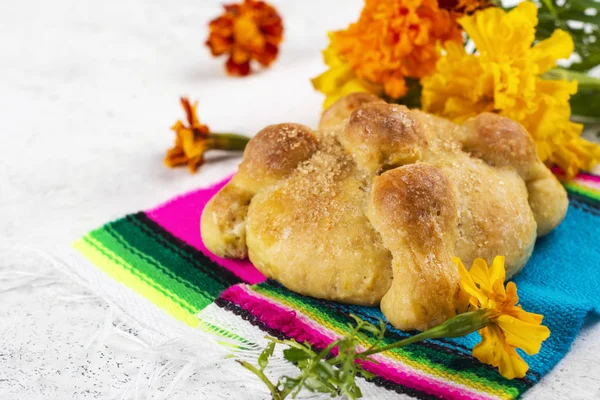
(140, 254)
(183, 260)
(580, 189)
(160, 274)
(134, 247)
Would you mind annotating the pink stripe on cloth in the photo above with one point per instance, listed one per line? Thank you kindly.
(181, 218)
(592, 181)
(589, 177)
(281, 318)
(586, 176)
(299, 327)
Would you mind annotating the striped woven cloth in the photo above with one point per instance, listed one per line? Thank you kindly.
(160, 255)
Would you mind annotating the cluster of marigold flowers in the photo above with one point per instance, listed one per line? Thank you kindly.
(423, 41)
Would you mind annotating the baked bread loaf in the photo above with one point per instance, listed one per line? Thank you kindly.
(372, 207)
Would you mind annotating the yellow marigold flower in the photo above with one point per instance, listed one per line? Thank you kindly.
(394, 39)
(194, 139)
(339, 80)
(505, 77)
(510, 327)
(248, 31)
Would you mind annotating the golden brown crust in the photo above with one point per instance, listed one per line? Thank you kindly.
(339, 111)
(382, 135)
(419, 199)
(223, 223)
(274, 153)
(501, 142)
(271, 155)
(547, 199)
(311, 233)
(414, 209)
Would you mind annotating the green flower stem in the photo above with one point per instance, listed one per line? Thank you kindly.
(457, 326)
(228, 141)
(275, 393)
(584, 81)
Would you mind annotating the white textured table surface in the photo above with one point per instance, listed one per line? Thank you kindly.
(88, 91)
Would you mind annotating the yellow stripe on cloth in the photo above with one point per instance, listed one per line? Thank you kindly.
(114, 267)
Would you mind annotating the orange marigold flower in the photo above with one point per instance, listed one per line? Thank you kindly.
(195, 139)
(248, 31)
(394, 39)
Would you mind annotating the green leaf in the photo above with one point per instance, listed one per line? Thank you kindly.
(355, 392)
(295, 354)
(370, 328)
(303, 364)
(586, 103)
(263, 358)
(324, 370)
(366, 374)
(584, 4)
(289, 382)
(555, 14)
(587, 63)
(575, 15)
(316, 385)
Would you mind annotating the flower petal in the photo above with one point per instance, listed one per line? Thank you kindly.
(332, 79)
(468, 285)
(577, 154)
(175, 157)
(268, 54)
(522, 334)
(556, 91)
(237, 69)
(195, 163)
(497, 274)
(330, 56)
(511, 294)
(395, 86)
(481, 275)
(486, 350)
(493, 350)
(547, 52)
(498, 34)
(190, 110)
(353, 85)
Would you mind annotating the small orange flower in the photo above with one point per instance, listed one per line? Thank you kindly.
(394, 39)
(195, 139)
(248, 31)
(191, 141)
